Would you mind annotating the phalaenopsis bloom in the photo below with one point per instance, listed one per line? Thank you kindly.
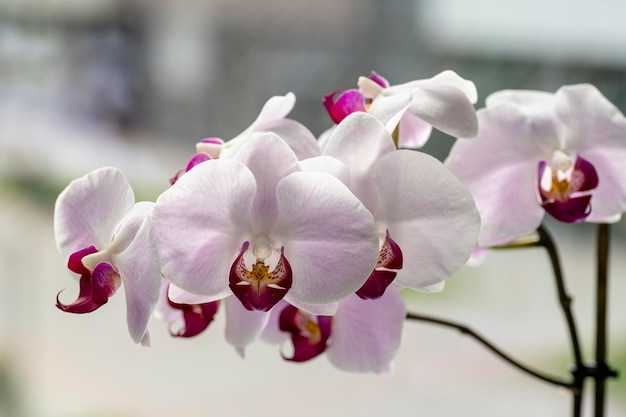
(107, 240)
(538, 152)
(256, 226)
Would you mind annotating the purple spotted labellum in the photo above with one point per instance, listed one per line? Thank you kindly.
(309, 333)
(259, 289)
(95, 287)
(197, 317)
(389, 258)
(565, 189)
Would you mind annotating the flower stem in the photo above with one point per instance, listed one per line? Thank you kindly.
(544, 239)
(489, 345)
(602, 370)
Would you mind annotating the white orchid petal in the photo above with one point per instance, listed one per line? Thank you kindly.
(329, 165)
(88, 211)
(270, 159)
(413, 132)
(296, 135)
(428, 213)
(243, 326)
(390, 109)
(277, 107)
(315, 309)
(201, 222)
(445, 108)
(329, 237)
(139, 267)
(358, 141)
(366, 334)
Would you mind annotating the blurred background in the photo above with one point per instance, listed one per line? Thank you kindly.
(135, 84)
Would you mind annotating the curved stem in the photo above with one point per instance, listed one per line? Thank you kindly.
(565, 300)
(466, 330)
(544, 239)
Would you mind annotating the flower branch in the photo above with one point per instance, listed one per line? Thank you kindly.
(489, 345)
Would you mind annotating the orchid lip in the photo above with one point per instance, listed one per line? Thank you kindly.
(197, 317)
(309, 334)
(389, 257)
(565, 187)
(259, 289)
(95, 287)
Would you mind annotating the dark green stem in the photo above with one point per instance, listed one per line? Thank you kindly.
(466, 330)
(603, 371)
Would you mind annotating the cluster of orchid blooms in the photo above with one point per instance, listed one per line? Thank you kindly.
(306, 242)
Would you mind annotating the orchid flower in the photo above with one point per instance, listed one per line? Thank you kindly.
(427, 222)
(108, 240)
(190, 319)
(537, 152)
(410, 110)
(256, 227)
(363, 336)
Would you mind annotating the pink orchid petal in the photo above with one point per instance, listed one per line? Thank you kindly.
(436, 231)
(316, 309)
(243, 326)
(445, 108)
(270, 159)
(367, 333)
(499, 167)
(446, 78)
(139, 267)
(277, 107)
(358, 142)
(309, 334)
(322, 140)
(296, 135)
(178, 295)
(390, 109)
(199, 224)
(413, 132)
(271, 332)
(89, 209)
(596, 129)
(329, 237)
(329, 165)
(536, 103)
